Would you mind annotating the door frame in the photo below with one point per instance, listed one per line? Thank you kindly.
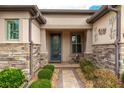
(58, 33)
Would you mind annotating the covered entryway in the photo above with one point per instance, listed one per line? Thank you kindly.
(63, 44)
(65, 35)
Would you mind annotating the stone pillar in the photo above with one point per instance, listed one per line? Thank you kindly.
(88, 48)
(121, 58)
(44, 51)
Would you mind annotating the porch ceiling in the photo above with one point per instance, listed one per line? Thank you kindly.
(64, 30)
(67, 27)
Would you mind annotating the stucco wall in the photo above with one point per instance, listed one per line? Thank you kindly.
(122, 23)
(23, 26)
(104, 30)
(66, 46)
(66, 21)
(43, 41)
(36, 34)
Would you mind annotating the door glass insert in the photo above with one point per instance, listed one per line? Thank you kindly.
(55, 46)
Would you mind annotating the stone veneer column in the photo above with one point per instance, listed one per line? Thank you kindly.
(88, 48)
(121, 58)
(44, 51)
(104, 56)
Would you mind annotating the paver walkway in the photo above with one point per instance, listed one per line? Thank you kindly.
(68, 79)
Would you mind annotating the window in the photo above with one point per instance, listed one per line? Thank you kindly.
(76, 43)
(12, 29)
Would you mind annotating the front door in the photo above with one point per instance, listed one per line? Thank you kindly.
(55, 47)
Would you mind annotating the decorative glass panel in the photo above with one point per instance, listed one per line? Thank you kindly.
(73, 39)
(78, 39)
(78, 48)
(12, 29)
(56, 46)
(76, 43)
(74, 48)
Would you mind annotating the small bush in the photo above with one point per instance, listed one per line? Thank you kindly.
(51, 67)
(105, 79)
(86, 65)
(11, 78)
(122, 77)
(90, 76)
(85, 62)
(105, 74)
(41, 83)
(104, 83)
(87, 68)
(45, 74)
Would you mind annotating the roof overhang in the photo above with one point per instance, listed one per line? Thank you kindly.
(66, 11)
(103, 10)
(33, 9)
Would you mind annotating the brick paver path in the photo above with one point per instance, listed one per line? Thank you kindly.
(68, 79)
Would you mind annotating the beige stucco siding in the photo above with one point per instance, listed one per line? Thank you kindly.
(66, 46)
(2, 30)
(16, 14)
(23, 26)
(122, 23)
(36, 34)
(107, 22)
(48, 44)
(25, 30)
(66, 21)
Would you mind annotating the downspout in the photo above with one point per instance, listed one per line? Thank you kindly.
(31, 42)
(117, 41)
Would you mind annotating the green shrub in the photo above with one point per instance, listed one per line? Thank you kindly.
(122, 77)
(85, 62)
(11, 78)
(45, 74)
(87, 68)
(41, 83)
(51, 67)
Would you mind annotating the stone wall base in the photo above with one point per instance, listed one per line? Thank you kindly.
(44, 58)
(103, 56)
(17, 55)
(36, 57)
